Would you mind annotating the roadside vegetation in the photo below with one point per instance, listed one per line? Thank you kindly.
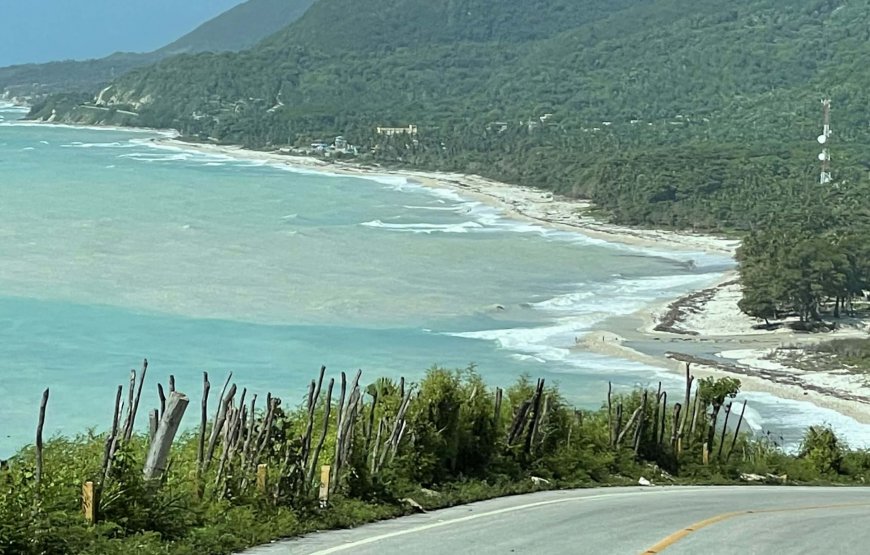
(391, 448)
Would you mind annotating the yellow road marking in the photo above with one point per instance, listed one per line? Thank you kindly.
(680, 534)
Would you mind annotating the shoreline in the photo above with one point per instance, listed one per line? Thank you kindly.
(516, 201)
(690, 320)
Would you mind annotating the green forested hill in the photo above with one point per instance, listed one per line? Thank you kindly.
(238, 28)
(680, 113)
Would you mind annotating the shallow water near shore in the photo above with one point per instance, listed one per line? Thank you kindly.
(112, 250)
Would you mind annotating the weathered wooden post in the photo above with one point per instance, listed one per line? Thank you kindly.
(39, 427)
(158, 451)
(90, 502)
(262, 478)
(705, 455)
(324, 484)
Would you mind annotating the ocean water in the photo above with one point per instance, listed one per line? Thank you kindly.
(113, 249)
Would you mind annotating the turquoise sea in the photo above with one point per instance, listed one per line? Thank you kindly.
(113, 249)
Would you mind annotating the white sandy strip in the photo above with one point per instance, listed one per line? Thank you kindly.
(840, 380)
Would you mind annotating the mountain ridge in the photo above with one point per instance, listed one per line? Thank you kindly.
(240, 27)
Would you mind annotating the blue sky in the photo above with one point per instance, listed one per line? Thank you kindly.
(48, 30)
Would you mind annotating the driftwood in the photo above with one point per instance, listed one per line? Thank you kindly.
(158, 452)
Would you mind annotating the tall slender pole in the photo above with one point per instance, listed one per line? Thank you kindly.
(825, 156)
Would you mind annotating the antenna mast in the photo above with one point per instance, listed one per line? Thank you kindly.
(825, 156)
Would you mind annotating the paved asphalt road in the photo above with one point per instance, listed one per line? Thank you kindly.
(674, 520)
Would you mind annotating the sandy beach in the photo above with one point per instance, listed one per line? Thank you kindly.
(704, 327)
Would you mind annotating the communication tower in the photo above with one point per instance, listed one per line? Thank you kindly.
(825, 156)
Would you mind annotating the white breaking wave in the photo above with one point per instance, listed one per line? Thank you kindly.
(463, 227)
(116, 144)
(148, 157)
(791, 418)
(436, 208)
(168, 133)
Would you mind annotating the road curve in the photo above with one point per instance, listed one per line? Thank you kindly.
(675, 520)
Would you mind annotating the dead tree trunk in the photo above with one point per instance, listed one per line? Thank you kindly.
(158, 452)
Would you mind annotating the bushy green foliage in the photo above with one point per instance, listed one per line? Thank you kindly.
(455, 445)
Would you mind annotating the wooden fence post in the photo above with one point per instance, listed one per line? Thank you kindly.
(90, 502)
(158, 451)
(324, 484)
(705, 456)
(262, 478)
